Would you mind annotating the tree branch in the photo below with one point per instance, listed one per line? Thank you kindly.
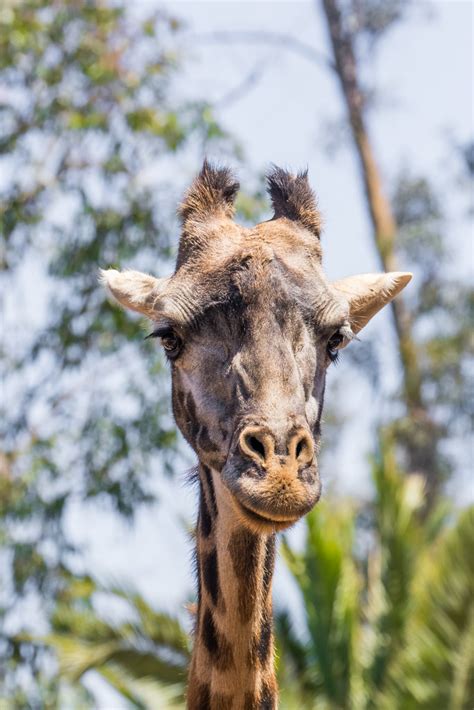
(236, 93)
(275, 39)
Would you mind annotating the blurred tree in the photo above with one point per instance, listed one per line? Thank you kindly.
(432, 327)
(143, 654)
(88, 118)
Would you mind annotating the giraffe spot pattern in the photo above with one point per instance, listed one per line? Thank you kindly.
(192, 425)
(267, 700)
(220, 650)
(264, 640)
(244, 549)
(219, 701)
(210, 490)
(199, 695)
(269, 565)
(261, 645)
(204, 441)
(195, 561)
(197, 433)
(205, 520)
(211, 575)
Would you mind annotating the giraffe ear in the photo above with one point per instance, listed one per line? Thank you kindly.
(134, 290)
(366, 294)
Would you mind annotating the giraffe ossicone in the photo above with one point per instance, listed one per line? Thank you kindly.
(250, 324)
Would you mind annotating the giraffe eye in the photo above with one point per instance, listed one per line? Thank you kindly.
(332, 347)
(171, 342)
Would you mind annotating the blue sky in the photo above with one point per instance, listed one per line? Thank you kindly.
(423, 72)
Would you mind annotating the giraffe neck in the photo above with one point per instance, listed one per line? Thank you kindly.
(232, 662)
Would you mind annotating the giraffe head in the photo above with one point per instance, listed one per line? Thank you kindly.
(250, 325)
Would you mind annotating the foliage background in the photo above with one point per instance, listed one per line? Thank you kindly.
(106, 111)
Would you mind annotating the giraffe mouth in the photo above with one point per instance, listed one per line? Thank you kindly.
(263, 520)
(270, 499)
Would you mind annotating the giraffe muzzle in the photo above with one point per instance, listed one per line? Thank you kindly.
(273, 477)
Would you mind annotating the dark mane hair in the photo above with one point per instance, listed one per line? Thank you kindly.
(213, 190)
(292, 197)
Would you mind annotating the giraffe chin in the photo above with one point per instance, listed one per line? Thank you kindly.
(261, 522)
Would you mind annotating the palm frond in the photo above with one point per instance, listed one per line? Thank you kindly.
(145, 655)
(145, 693)
(329, 582)
(436, 667)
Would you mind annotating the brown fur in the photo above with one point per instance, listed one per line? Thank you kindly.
(243, 549)
(199, 695)
(220, 651)
(219, 701)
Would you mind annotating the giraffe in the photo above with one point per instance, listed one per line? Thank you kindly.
(249, 324)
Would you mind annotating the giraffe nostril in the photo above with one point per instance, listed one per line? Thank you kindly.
(304, 449)
(256, 445)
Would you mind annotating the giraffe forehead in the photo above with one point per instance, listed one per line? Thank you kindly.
(265, 280)
(214, 240)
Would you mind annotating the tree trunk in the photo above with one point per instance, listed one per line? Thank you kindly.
(381, 214)
(422, 447)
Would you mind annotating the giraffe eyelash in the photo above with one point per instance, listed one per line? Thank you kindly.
(160, 332)
(345, 334)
